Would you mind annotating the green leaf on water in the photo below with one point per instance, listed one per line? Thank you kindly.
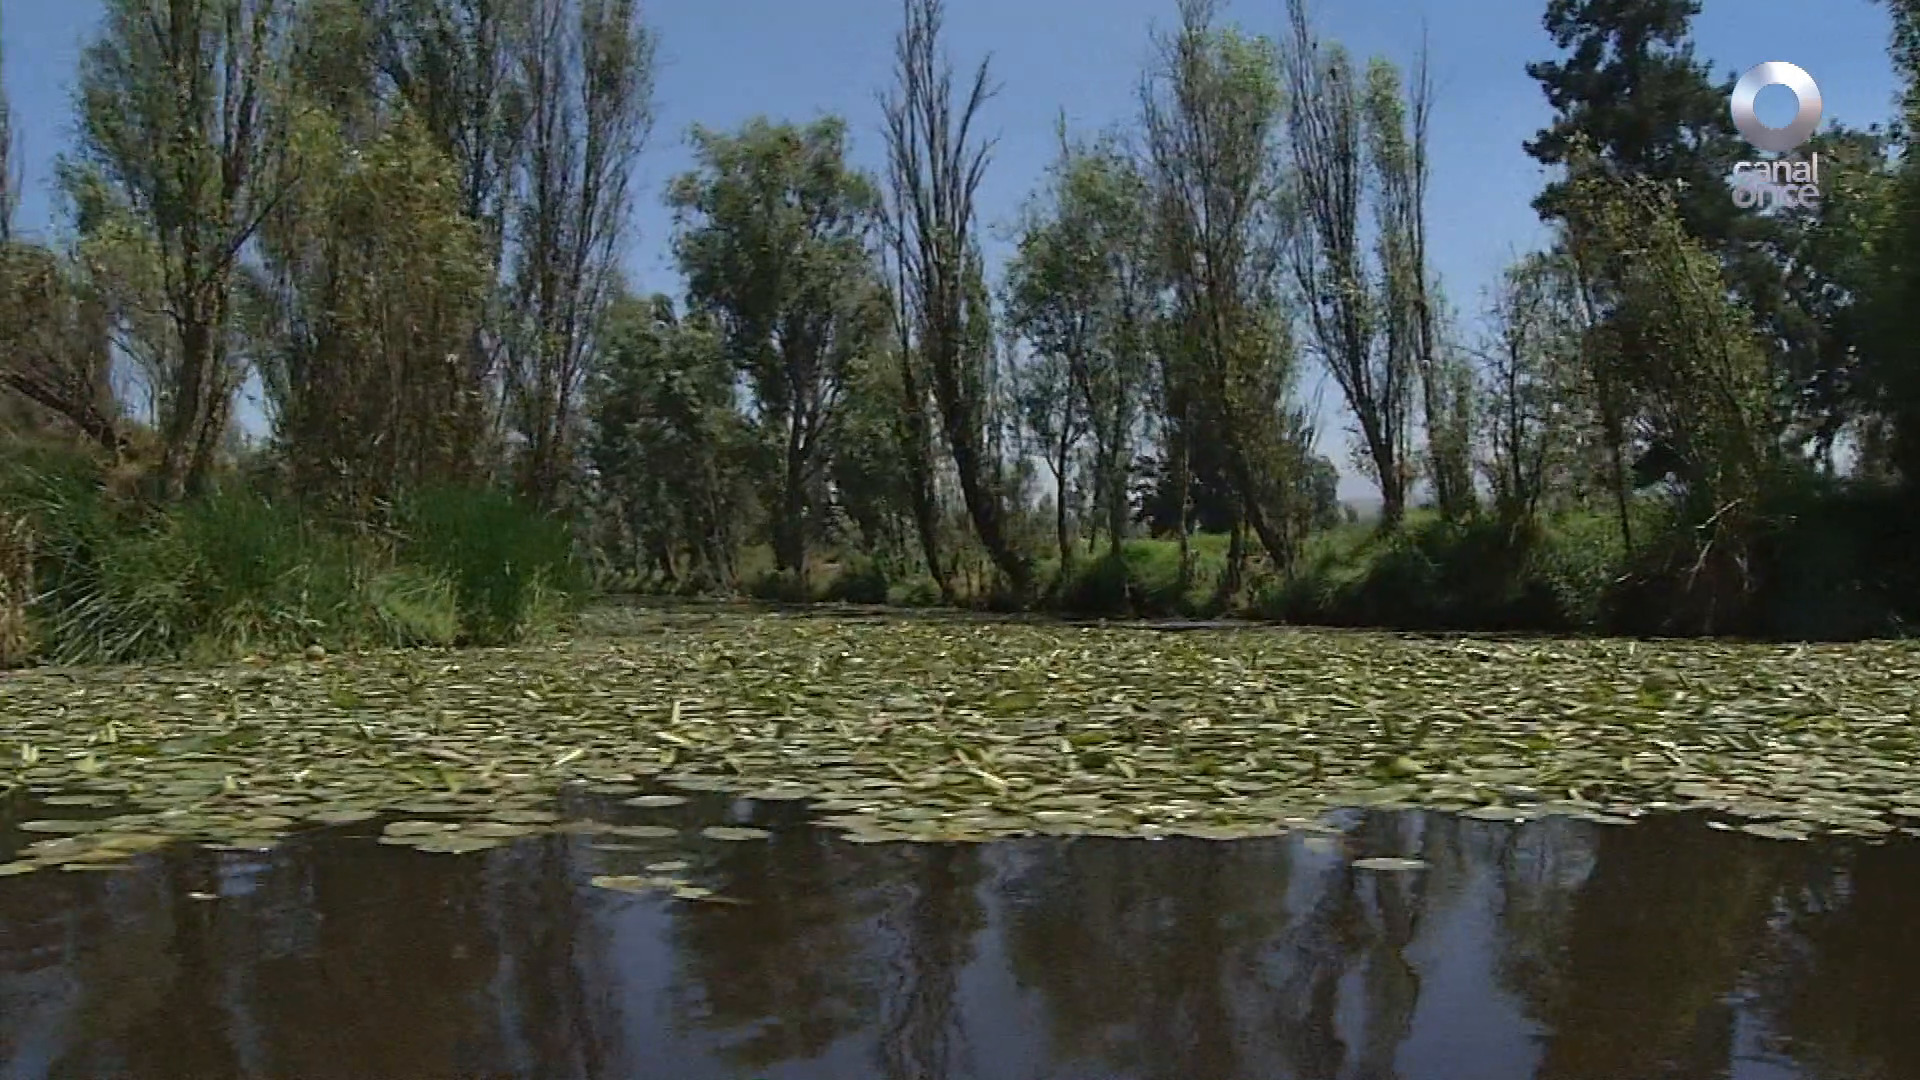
(1388, 863)
(60, 826)
(418, 828)
(730, 832)
(652, 801)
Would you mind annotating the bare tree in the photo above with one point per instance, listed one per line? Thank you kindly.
(934, 169)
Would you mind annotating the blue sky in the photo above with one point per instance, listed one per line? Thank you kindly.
(725, 61)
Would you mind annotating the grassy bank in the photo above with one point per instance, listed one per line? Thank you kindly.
(1831, 563)
(115, 577)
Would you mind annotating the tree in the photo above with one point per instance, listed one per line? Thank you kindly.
(668, 446)
(371, 283)
(459, 66)
(1632, 101)
(773, 239)
(178, 126)
(934, 170)
(587, 72)
(1326, 125)
(54, 346)
(1891, 281)
(1050, 414)
(1397, 146)
(1686, 371)
(1631, 93)
(9, 178)
(1212, 115)
(1530, 381)
(1081, 292)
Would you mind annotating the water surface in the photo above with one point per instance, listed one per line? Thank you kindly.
(1555, 950)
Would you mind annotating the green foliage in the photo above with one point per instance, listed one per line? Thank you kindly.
(511, 567)
(862, 580)
(780, 587)
(772, 232)
(116, 579)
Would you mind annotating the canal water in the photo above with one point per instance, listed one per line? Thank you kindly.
(1554, 950)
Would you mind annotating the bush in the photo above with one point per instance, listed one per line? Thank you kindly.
(16, 589)
(779, 587)
(861, 580)
(118, 579)
(917, 591)
(512, 569)
(1101, 586)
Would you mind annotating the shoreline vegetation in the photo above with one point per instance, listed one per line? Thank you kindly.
(1674, 418)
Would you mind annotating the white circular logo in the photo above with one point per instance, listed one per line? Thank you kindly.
(1776, 73)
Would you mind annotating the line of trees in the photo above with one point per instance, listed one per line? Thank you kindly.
(405, 218)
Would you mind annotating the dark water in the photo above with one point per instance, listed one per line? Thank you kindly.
(1555, 950)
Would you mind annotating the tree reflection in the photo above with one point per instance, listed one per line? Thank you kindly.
(1848, 995)
(1636, 973)
(1151, 957)
(932, 929)
(789, 970)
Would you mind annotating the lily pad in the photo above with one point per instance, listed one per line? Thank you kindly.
(418, 828)
(1387, 863)
(941, 730)
(1772, 832)
(730, 832)
(59, 826)
(639, 832)
(633, 883)
(654, 801)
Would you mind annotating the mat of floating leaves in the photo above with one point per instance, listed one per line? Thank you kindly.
(962, 730)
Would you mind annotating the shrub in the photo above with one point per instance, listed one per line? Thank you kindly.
(1099, 586)
(917, 591)
(861, 580)
(16, 589)
(779, 587)
(510, 567)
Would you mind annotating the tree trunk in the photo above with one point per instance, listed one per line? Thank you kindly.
(1182, 488)
(1116, 507)
(790, 531)
(1236, 553)
(1060, 506)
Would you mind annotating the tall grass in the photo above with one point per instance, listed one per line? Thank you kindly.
(116, 579)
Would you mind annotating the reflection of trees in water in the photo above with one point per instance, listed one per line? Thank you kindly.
(550, 992)
(1185, 959)
(1632, 968)
(1388, 909)
(1167, 959)
(1540, 870)
(387, 983)
(931, 927)
(1847, 994)
(1132, 947)
(792, 967)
